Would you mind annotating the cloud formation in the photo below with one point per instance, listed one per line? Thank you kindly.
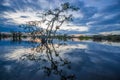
(93, 17)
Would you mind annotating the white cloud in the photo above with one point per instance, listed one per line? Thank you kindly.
(76, 14)
(16, 17)
(97, 15)
(111, 32)
(23, 15)
(73, 27)
(91, 22)
(110, 16)
(6, 3)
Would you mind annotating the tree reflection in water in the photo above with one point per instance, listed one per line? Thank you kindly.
(53, 63)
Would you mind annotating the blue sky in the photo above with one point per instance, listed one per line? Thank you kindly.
(94, 16)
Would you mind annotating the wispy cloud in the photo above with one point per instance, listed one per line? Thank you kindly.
(94, 16)
(20, 17)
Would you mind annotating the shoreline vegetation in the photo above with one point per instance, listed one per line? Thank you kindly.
(17, 36)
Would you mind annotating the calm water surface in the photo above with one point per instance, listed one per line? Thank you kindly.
(63, 60)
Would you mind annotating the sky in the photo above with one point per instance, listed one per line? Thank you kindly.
(93, 16)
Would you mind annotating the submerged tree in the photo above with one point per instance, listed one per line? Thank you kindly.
(52, 19)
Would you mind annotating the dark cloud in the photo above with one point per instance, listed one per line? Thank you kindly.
(112, 12)
(88, 11)
(113, 8)
(5, 8)
(24, 16)
(78, 3)
(106, 21)
(110, 20)
(103, 28)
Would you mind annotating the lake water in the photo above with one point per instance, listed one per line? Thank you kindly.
(63, 60)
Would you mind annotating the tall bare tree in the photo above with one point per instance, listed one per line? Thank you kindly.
(53, 19)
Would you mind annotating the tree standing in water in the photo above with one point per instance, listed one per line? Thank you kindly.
(53, 20)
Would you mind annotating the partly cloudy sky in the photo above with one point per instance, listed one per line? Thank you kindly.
(94, 16)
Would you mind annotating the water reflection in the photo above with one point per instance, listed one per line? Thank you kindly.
(110, 43)
(63, 60)
(55, 64)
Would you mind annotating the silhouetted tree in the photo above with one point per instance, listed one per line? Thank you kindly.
(53, 19)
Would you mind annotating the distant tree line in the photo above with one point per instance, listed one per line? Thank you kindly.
(13, 35)
(19, 35)
(108, 38)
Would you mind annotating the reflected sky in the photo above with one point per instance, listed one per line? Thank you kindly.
(87, 60)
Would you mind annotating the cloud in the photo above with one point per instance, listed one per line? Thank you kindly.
(104, 28)
(73, 29)
(113, 8)
(89, 11)
(105, 20)
(20, 17)
(24, 16)
(92, 14)
(108, 15)
(6, 3)
(111, 32)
